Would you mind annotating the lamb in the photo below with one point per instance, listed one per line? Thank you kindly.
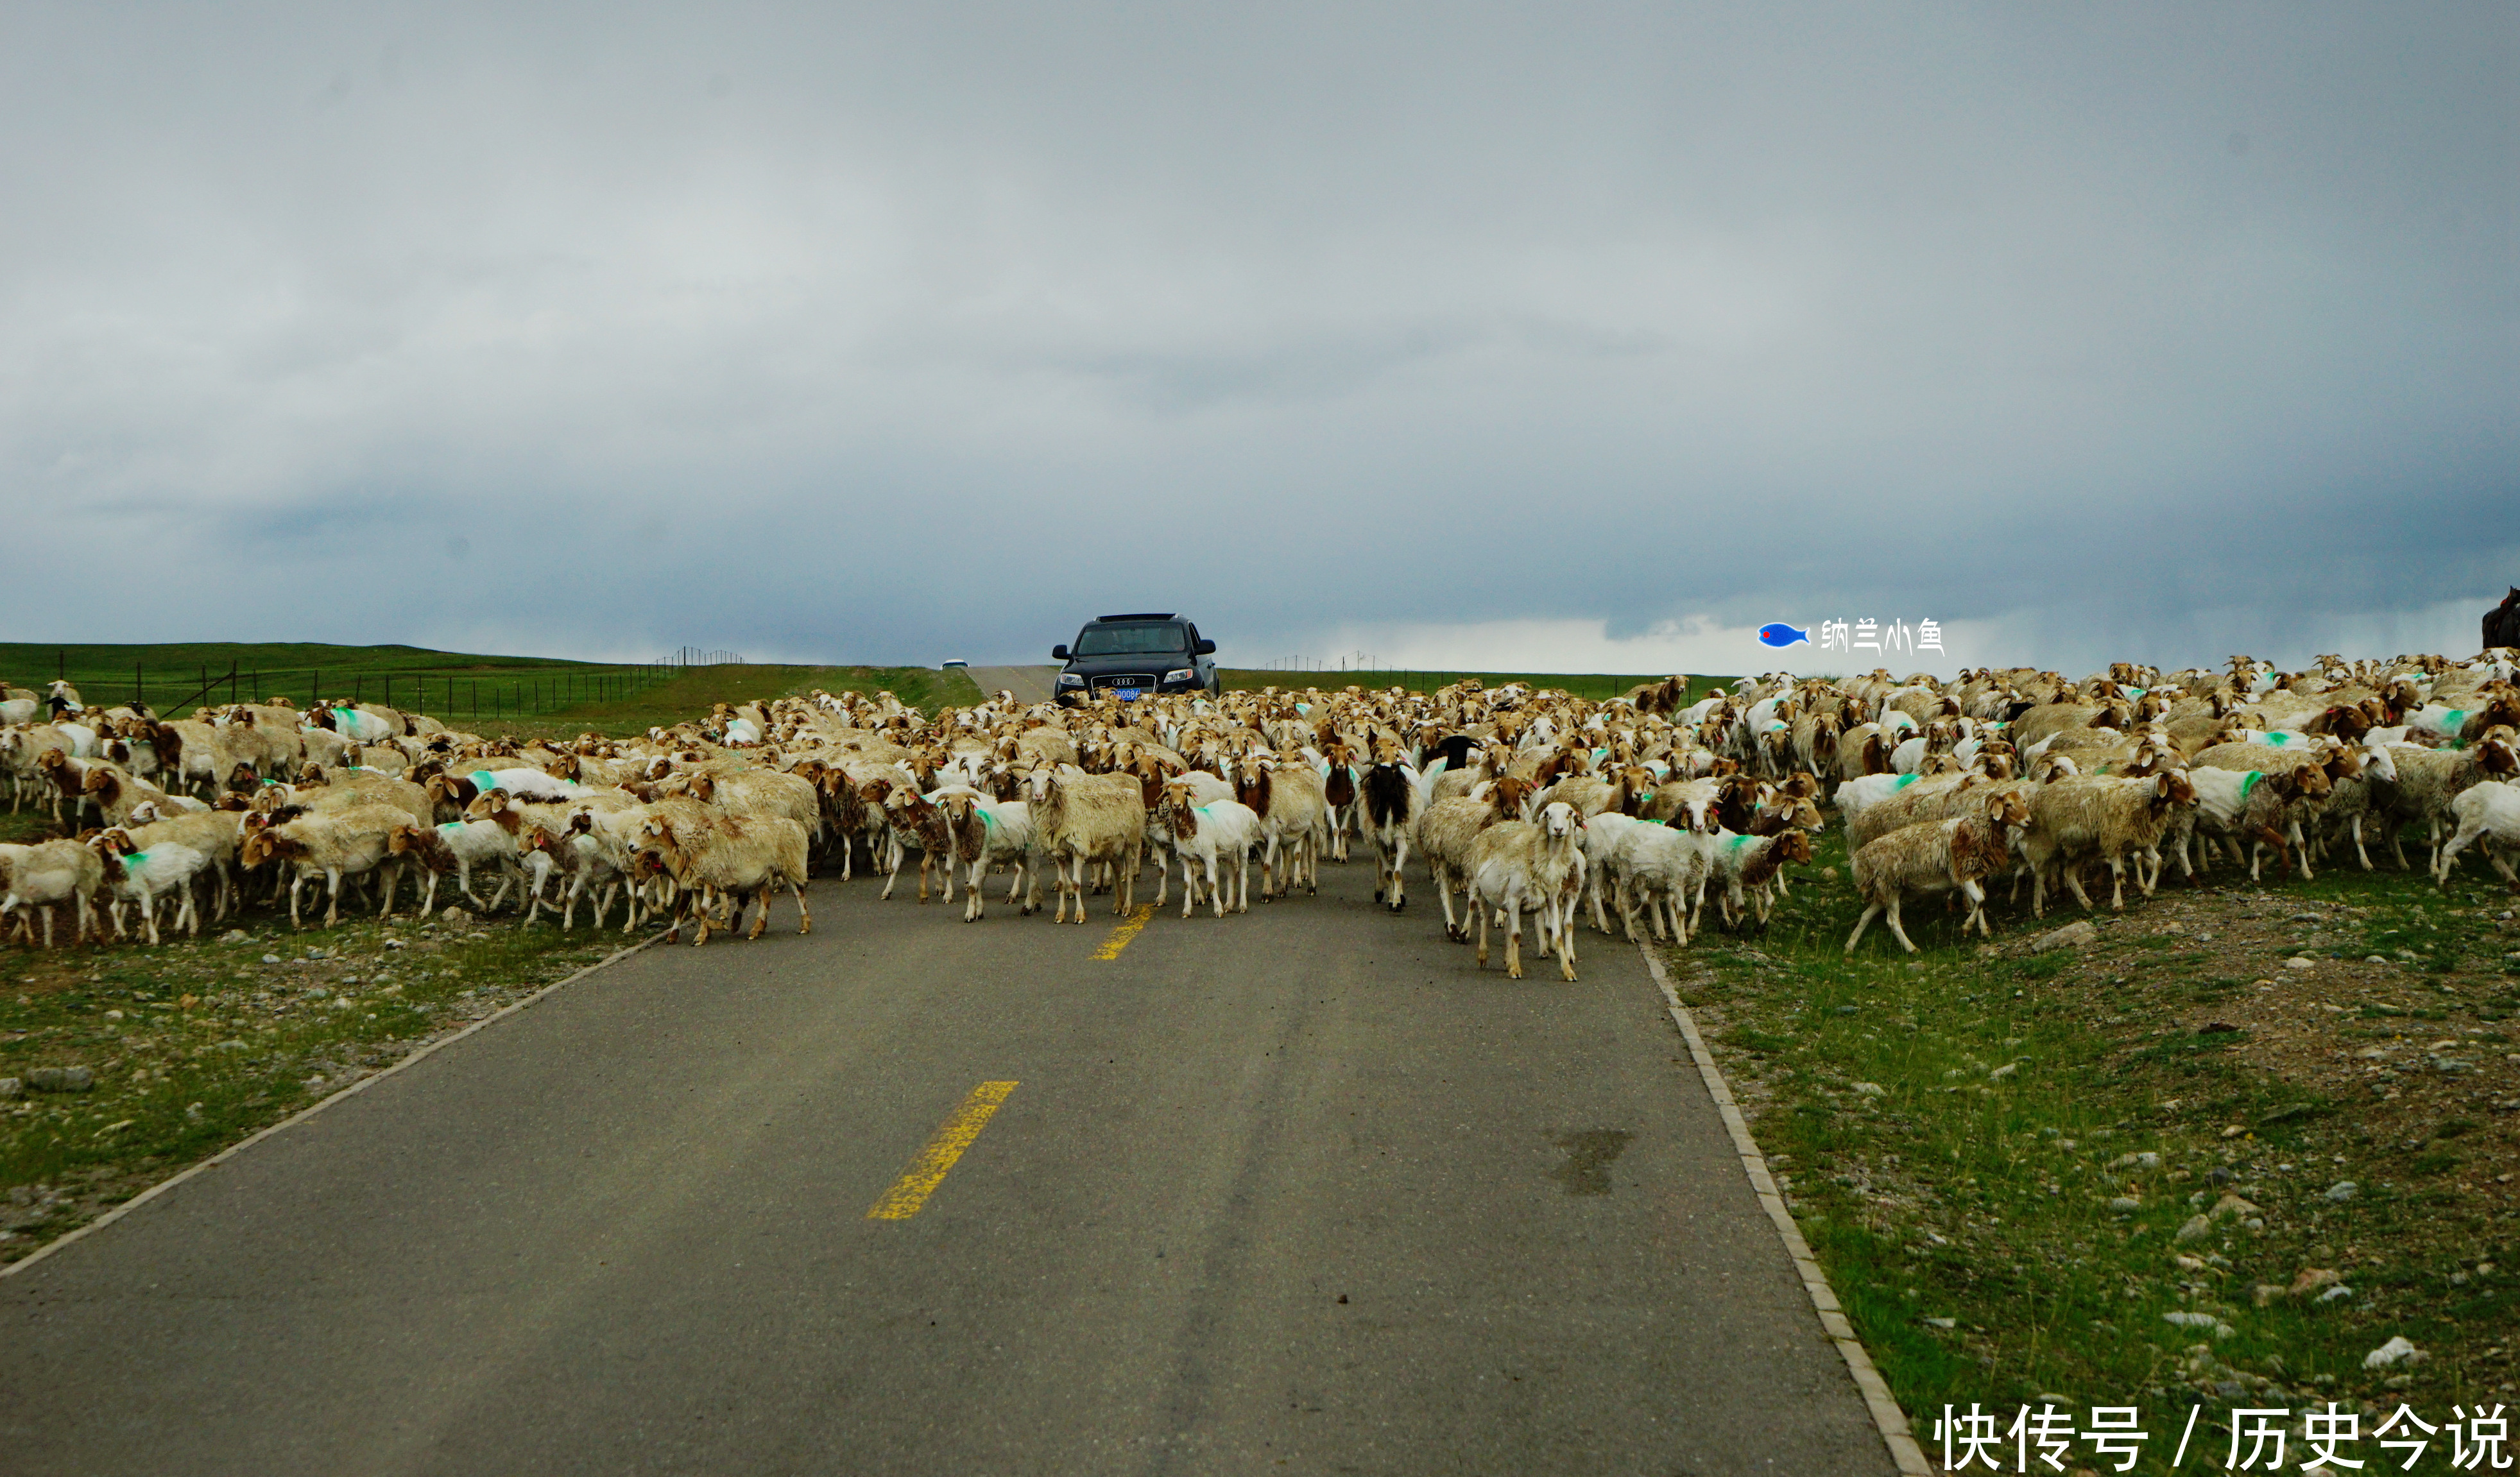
(458, 846)
(2358, 776)
(349, 842)
(2492, 812)
(216, 834)
(1219, 830)
(1747, 863)
(1514, 865)
(1934, 856)
(987, 833)
(144, 877)
(743, 858)
(2073, 821)
(1293, 810)
(47, 873)
(1080, 819)
(912, 822)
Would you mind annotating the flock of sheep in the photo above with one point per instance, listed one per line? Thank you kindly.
(1515, 800)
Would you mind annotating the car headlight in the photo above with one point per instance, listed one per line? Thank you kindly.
(1070, 680)
(1184, 674)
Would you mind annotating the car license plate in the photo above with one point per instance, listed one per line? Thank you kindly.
(1128, 695)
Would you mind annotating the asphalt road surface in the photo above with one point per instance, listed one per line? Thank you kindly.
(1297, 1191)
(1028, 684)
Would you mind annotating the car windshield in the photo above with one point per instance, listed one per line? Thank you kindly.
(1129, 641)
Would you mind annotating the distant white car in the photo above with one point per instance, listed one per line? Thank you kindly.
(954, 664)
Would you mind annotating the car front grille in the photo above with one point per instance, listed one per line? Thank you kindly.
(1144, 682)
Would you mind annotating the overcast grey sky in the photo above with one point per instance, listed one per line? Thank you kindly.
(831, 331)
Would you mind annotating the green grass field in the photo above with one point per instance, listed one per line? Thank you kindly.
(525, 695)
(2018, 1166)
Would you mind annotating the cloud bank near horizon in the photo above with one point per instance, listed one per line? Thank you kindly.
(841, 333)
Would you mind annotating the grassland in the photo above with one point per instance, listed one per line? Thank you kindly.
(2017, 1163)
(526, 695)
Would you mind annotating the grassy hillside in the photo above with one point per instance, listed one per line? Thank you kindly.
(522, 695)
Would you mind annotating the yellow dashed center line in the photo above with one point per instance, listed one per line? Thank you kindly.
(927, 1171)
(1121, 935)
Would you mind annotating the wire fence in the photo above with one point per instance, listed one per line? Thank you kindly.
(446, 693)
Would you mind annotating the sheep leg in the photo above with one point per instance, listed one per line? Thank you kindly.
(760, 910)
(1215, 885)
(2360, 854)
(333, 903)
(1562, 911)
(1871, 911)
(296, 880)
(972, 894)
(1124, 886)
(2117, 882)
(1479, 907)
(804, 918)
(1513, 937)
(1891, 918)
(2074, 883)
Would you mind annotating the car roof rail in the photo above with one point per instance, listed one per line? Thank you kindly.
(1141, 615)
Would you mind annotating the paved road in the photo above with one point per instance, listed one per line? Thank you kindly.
(1028, 684)
(1293, 1193)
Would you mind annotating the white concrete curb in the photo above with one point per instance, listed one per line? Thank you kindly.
(300, 1116)
(1886, 1415)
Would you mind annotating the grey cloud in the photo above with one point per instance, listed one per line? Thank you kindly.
(875, 333)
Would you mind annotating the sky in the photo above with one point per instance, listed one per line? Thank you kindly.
(1536, 338)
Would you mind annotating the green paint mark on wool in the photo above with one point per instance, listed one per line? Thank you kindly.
(1904, 781)
(483, 778)
(135, 859)
(1736, 844)
(2277, 740)
(2249, 781)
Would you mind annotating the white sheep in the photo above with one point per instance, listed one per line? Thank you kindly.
(741, 858)
(1081, 819)
(457, 847)
(1934, 856)
(145, 877)
(48, 873)
(987, 833)
(1536, 864)
(1219, 836)
(335, 844)
(2488, 812)
(2097, 818)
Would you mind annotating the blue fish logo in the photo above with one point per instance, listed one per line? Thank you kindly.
(1779, 634)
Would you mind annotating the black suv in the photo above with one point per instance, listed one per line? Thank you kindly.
(1132, 655)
